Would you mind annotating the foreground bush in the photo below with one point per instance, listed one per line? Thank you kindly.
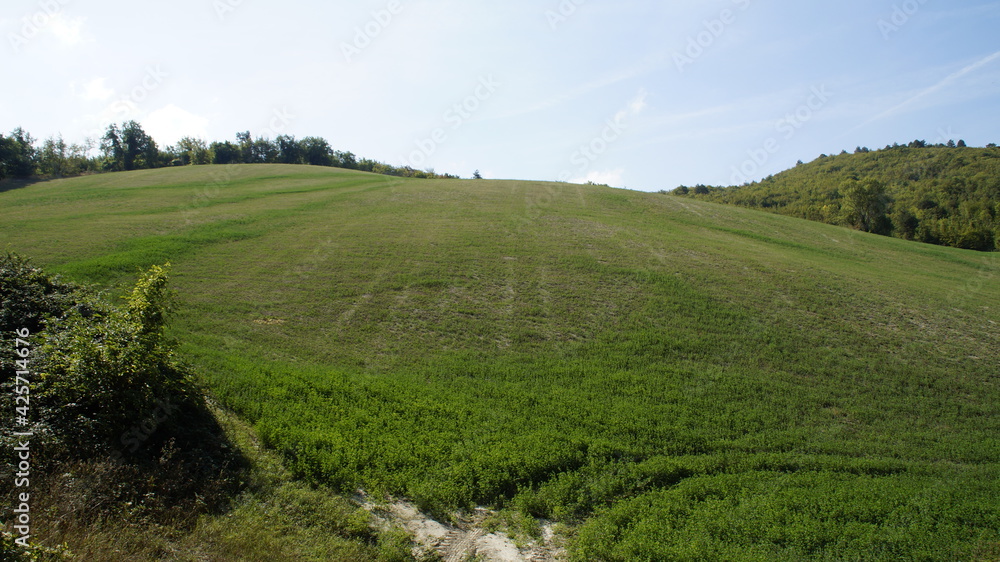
(118, 429)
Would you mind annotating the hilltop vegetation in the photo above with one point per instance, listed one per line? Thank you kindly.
(671, 378)
(941, 194)
(128, 147)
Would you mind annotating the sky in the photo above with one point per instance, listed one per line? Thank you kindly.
(638, 94)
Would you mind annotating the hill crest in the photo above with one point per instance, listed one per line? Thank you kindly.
(935, 194)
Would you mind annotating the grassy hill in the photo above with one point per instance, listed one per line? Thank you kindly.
(674, 379)
(934, 194)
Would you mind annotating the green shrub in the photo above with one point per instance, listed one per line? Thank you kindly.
(107, 376)
(11, 551)
(28, 298)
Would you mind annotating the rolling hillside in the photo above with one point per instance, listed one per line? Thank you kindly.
(935, 194)
(671, 378)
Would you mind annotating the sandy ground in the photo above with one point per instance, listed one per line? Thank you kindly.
(465, 539)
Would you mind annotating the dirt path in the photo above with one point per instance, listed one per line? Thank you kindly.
(465, 539)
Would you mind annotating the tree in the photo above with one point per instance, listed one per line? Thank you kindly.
(316, 151)
(961, 144)
(17, 155)
(245, 142)
(257, 151)
(865, 205)
(129, 147)
(264, 151)
(476, 175)
(6, 146)
(79, 160)
(904, 223)
(111, 146)
(173, 156)
(5, 149)
(289, 151)
(194, 151)
(52, 160)
(346, 159)
(226, 153)
(140, 149)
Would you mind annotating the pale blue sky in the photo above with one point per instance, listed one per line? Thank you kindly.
(638, 94)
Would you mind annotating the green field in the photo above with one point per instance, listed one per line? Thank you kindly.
(675, 379)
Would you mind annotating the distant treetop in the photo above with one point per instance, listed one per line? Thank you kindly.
(128, 147)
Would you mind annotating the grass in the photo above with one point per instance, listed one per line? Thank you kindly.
(677, 379)
(279, 518)
(273, 517)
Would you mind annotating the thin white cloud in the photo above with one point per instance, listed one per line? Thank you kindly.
(170, 123)
(96, 124)
(69, 31)
(606, 177)
(720, 133)
(95, 90)
(639, 103)
(932, 89)
(675, 118)
(773, 103)
(634, 107)
(959, 13)
(610, 79)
